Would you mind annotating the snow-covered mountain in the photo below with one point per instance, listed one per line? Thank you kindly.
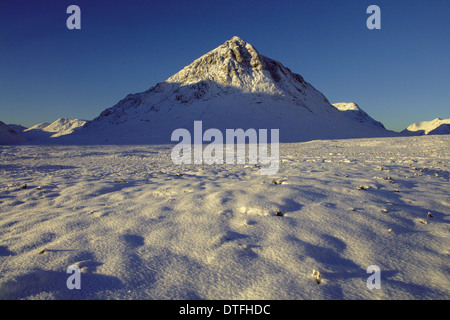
(45, 132)
(232, 86)
(436, 126)
(17, 127)
(353, 111)
(62, 126)
(8, 135)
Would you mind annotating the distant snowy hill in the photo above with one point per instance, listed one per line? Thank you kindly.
(436, 126)
(232, 86)
(17, 127)
(63, 126)
(8, 135)
(353, 111)
(44, 132)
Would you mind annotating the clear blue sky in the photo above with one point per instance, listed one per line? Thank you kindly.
(399, 74)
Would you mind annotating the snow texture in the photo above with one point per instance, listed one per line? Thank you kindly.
(140, 227)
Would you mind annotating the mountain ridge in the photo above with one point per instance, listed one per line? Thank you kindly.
(44, 133)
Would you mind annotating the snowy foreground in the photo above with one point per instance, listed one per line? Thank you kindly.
(140, 227)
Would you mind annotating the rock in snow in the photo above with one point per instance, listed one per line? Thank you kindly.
(232, 86)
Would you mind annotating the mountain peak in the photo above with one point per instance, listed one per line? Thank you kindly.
(230, 64)
(345, 106)
(237, 41)
(353, 111)
(236, 38)
(236, 63)
(241, 51)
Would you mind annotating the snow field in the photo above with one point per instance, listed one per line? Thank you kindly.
(140, 227)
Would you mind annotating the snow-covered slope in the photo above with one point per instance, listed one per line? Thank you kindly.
(17, 127)
(8, 135)
(436, 126)
(353, 111)
(44, 132)
(39, 126)
(232, 86)
(64, 126)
